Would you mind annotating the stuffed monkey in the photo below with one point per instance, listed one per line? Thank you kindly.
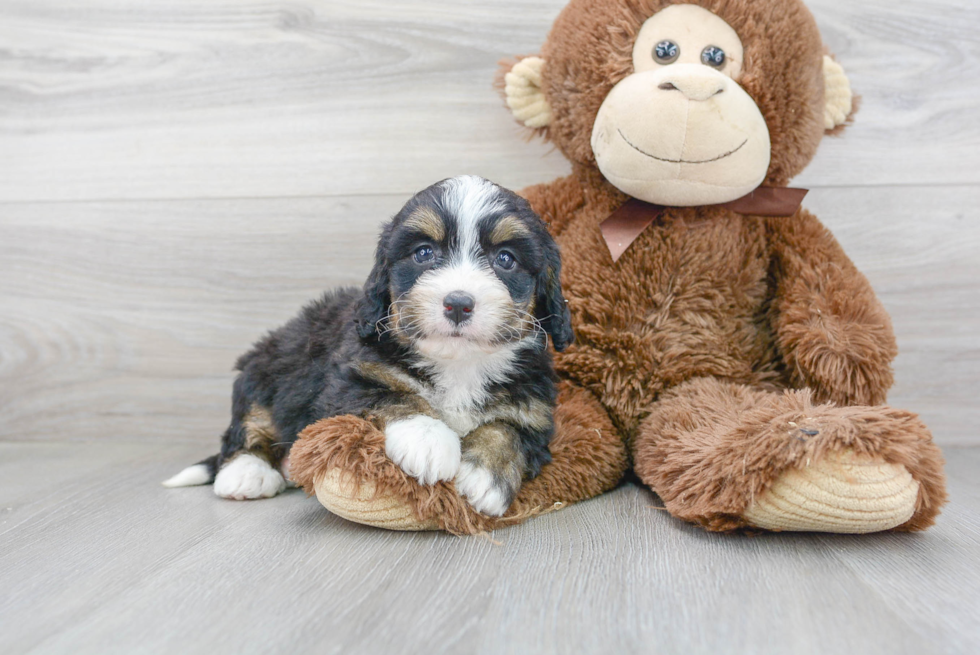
(726, 346)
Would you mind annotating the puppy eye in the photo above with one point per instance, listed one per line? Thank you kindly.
(505, 260)
(666, 52)
(713, 56)
(424, 254)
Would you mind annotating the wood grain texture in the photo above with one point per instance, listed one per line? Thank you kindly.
(102, 559)
(178, 177)
(246, 98)
(123, 320)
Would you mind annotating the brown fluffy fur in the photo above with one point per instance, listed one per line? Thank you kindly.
(589, 51)
(588, 458)
(713, 331)
(710, 447)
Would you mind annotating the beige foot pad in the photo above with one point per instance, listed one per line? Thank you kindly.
(363, 506)
(840, 493)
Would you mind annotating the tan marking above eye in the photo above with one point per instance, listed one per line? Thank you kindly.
(425, 220)
(508, 228)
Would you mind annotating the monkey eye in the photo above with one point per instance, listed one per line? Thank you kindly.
(424, 254)
(666, 52)
(713, 56)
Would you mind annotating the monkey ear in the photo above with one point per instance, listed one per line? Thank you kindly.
(523, 94)
(838, 97)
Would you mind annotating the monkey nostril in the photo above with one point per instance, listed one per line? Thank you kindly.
(695, 88)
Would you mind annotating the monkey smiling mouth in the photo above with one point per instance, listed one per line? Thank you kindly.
(679, 161)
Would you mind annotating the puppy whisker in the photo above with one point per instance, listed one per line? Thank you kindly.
(536, 323)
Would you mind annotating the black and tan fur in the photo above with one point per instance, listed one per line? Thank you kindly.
(383, 352)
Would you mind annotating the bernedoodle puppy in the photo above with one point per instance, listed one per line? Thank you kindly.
(444, 350)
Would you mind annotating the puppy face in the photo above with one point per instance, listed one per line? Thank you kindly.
(465, 264)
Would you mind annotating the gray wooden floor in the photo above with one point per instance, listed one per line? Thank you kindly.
(96, 558)
(176, 178)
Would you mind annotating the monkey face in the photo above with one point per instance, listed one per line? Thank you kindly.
(687, 82)
(680, 130)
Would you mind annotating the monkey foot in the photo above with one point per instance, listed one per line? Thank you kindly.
(842, 493)
(343, 461)
(729, 456)
(363, 505)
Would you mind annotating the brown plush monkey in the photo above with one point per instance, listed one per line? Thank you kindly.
(726, 345)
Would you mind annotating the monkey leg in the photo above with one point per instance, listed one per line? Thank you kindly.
(342, 460)
(727, 456)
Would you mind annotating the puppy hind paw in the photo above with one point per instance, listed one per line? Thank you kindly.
(247, 477)
(484, 492)
(424, 447)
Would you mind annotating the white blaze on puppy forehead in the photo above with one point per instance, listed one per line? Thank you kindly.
(465, 358)
(468, 199)
(467, 202)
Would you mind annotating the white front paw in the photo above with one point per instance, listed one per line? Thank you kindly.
(477, 484)
(424, 447)
(247, 477)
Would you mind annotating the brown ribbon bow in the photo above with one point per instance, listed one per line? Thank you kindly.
(627, 223)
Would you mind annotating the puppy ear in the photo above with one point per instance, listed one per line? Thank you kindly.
(373, 306)
(552, 307)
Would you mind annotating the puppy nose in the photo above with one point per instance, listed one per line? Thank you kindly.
(458, 306)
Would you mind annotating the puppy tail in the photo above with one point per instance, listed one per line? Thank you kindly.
(201, 473)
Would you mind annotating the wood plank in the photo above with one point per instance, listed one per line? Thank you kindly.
(122, 320)
(903, 59)
(255, 98)
(940, 577)
(307, 124)
(112, 562)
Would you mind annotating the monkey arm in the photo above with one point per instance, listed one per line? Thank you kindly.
(555, 202)
(834, 334)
